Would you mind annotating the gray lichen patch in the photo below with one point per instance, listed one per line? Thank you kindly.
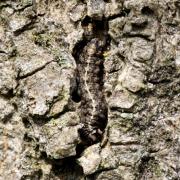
(59, 137)
(8, 77)
(116, 27)
(11, 142)
(7, 47)
(91, 159)
(113, 8)
(29, 61)
(120, 173)
(132, 79)
(6, 110)
(77, 12)
(95, 9)
(18, 22)
(43, 88)
(125, 100)
(108, 159)
(140, 53)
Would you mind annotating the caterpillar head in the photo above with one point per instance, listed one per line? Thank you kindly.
(95, 136)
(89, 137)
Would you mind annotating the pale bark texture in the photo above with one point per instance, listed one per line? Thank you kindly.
(40, 43)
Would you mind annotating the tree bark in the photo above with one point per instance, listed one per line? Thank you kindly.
(131, 75)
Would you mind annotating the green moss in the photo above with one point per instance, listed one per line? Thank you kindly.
(127, 116)
(26, 2)
(60, 59)
(3, 20)
(123, 125)
(156, 169)
(42, 39)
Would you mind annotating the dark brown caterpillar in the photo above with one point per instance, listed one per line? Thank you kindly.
(93, 113)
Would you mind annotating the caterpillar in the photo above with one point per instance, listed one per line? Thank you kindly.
(93, 107)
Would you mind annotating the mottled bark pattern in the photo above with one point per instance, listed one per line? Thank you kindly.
(93, 105)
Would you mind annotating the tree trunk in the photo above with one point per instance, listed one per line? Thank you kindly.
(89, 89)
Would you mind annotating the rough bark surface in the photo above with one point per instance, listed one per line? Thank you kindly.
(40, 43)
